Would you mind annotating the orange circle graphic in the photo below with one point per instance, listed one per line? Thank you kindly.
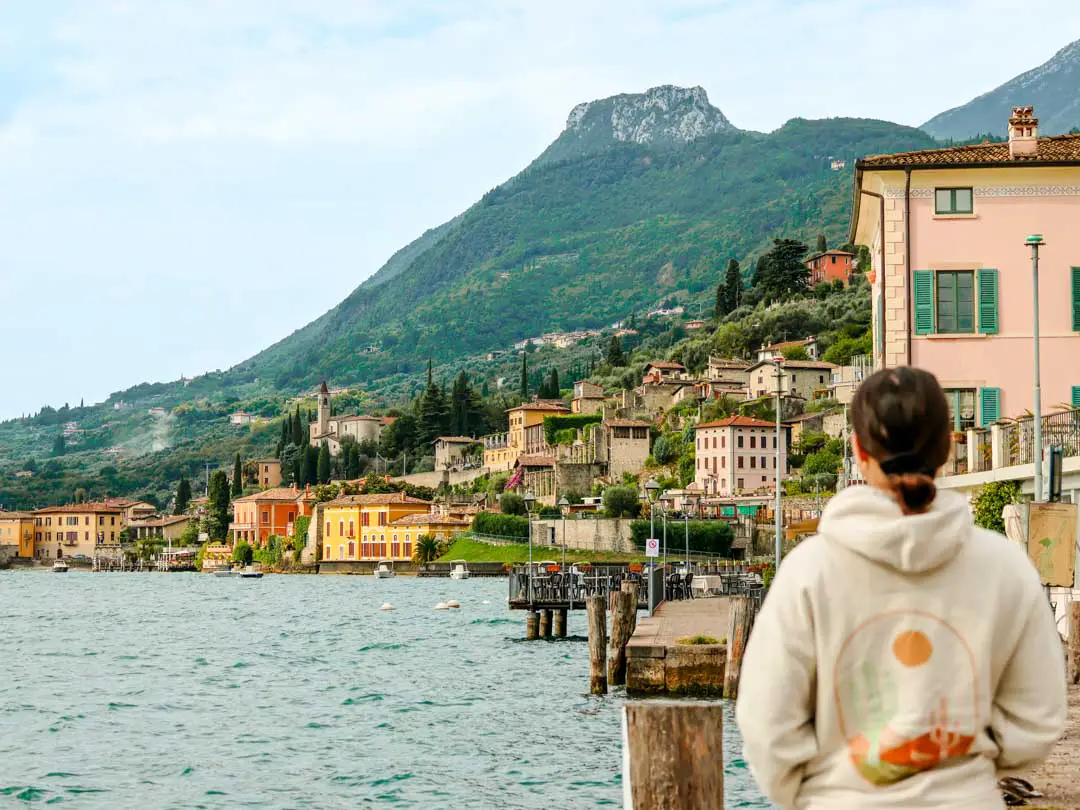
(912, 648)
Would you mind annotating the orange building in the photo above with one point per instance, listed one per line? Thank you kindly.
(17, 529)
(832, 265)
(273, 511)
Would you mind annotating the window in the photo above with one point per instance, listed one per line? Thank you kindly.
(265, 517)
(341, 528)
(740, 462)
(739, 483)
(328, 528)
(723, 462)
(352, 549)
(739, 441)
(112, 520)
(753, 462)
(961, 407)
(713, 442)
(365, 519)
(352, 530)
(821, 379)
(382, 518)
(952, 201)
(764, 464)
(753, 442)
(341, 552)
(955, 301)
(723, 441)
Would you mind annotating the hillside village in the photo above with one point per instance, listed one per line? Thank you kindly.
(688, 402)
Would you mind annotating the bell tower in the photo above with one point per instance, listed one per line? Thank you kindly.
(324, 410)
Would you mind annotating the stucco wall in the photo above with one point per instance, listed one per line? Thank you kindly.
(583, 534)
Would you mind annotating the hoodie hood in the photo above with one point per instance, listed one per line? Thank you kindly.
(870, 523)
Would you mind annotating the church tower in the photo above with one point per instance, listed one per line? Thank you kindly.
(324, 411)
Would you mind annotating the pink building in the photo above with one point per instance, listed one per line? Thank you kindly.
(737, 455)
(951, 274)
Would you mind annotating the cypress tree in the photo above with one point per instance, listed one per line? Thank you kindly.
(524, 376)
(183, 496)
(323, 471)
(237, 478)
(822, 245)
(217, 510)
(615, 353)
(311, 465)
(732, 287)
(720, 307)
(555, 389)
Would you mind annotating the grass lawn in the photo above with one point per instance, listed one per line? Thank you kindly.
(472, 551)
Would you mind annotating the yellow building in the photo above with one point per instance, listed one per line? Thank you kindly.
(17, 529)
(81, 529)
(379, 527)
(525, 434)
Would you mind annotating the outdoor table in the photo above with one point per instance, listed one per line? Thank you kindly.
(707, 584)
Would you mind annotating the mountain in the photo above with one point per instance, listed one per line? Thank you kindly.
(662, 116)
(639, 201)
(1053, 89)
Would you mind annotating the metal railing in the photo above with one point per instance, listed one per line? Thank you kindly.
(981, 459)
(551, 585)
(958, 459)
(1058, 429)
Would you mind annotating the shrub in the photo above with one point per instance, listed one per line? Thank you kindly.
(821, 462)
(575, 422)
(510, 503)
(708, 536)
(990, 500)
(501, 525)
(621, 502)
(664, 450)
(300, 530)
(243, 553)
(567, 436)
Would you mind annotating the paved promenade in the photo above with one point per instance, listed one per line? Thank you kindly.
(657, 664)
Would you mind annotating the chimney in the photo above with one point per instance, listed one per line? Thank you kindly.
(1023, 133)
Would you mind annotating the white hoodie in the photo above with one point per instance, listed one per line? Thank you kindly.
(899, 662)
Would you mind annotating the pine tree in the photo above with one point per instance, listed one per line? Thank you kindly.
(822, 245)
(732, 286)
(183, 496)
(787, 273)
(615, 355)
(323, 471)
(237, 478)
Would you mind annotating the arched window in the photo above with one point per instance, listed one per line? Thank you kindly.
(341, 552)
(341, 528)
(352, 550)
(352, 529)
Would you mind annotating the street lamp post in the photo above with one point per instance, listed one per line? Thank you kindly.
(1036, 241)
(778, 361)
(665, 505)
(652, 488)
(530, 502)
(564, 507)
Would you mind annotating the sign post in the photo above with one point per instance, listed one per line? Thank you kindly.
(652, 549)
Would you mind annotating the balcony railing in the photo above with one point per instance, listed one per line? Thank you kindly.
(1010, 444)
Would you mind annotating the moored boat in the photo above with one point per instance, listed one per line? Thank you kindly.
(459, 569)
(60, 567)
(385, 569)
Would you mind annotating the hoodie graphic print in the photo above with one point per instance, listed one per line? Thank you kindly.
(882, 687)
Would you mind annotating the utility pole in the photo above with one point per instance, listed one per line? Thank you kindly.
(778, 361)
(1036, 241)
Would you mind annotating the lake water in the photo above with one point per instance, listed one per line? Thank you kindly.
(152, 690)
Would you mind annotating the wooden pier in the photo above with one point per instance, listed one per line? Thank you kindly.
(658, 664)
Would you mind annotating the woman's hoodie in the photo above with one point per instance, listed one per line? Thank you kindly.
(899, 661)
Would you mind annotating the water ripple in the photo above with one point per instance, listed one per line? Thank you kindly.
(181, 691)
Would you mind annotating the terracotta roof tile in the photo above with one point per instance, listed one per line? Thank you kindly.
(541, 405)
(666, 364)
(457, 440)
(15, 515)
(274, 494)
(1061, 148)
(628, 423)
(737, 421)
(382, 499)
(80, 507)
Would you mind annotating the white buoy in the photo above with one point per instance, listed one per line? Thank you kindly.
(486, 602)
(442, 606)
(453, 603)
(386, 606)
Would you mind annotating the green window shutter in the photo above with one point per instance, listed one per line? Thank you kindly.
(989, 405)
(1076, 299)
(922, 283)
(988, 301)
(1076, 396)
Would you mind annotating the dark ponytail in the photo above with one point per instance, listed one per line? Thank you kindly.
(901, 418)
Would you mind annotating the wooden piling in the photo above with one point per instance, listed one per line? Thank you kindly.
(545, 623)
(632, 588)
(740, 621)
(560, 623)
(622, 618)
(532, 626)
(1074, 642)
(673, 756)
(594, 605)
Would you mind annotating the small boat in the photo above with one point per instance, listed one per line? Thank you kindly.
(459, 569)
(225, 572)
(250, 573)
(385, 569)
(60, 567)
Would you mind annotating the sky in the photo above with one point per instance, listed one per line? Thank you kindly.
(184, 183)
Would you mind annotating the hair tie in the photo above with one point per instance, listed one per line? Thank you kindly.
(902, 463)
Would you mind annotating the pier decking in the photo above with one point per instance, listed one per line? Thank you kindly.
(657, 663)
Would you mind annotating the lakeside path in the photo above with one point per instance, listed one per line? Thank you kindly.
(1059, 776)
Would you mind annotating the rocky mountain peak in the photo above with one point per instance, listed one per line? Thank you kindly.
(665, 114)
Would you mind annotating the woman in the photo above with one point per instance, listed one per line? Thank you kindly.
(903, 656)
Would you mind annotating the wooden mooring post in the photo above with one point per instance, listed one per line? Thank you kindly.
(545, 623)
(632, 588)
(594, 606)
(1074, 643)
(673, 756)
(532, 626)
(740, 621)
(622, 620)
(560, 623)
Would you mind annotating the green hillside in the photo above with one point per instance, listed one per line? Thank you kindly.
(581, 243)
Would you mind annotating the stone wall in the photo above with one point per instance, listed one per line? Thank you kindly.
(7, 554)
(585, 534)
(439, 477)
(575, 478)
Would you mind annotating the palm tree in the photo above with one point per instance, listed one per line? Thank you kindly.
(427, 549)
